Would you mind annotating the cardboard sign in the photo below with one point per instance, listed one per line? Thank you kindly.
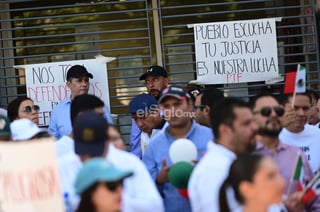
(29, 177)
(46, 83)
(236, 51)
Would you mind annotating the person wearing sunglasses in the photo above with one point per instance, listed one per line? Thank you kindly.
(204, 102)
(100, 185)
(267, 114)
(23, 107)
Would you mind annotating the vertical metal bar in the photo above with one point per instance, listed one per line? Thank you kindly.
(7, 52)
(149, 33)
(157, 33)
(315, 24)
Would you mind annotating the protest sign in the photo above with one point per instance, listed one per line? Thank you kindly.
(29, 177)
(46, 83)
(236, 51)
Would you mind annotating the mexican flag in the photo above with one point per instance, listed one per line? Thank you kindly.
(299, 173)
(295, 82)
(313, 190)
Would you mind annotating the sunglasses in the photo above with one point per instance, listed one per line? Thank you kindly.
(112, 186)
(198, 106)
(28, 109)
(266, 111)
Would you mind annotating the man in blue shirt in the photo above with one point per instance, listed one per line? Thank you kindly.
(78, 83)
(145, 112)
(177, 109)
(156, 79)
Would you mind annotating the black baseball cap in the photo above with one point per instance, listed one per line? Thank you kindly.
(78, 71)
(154, 71)
(90, 133)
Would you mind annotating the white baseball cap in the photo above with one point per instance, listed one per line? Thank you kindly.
(25, 129)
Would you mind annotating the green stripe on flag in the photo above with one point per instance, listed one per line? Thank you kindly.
(298, 170)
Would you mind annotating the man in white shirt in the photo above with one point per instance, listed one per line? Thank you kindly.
(299, 133)
(140, 193)
(234, 130)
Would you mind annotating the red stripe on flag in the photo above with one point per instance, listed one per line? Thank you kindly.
(309, 196)
(299, 186)
(290, 82)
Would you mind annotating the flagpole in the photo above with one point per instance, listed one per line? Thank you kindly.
(292, 175)
(293, 98)
(294, 91)
(311, 182)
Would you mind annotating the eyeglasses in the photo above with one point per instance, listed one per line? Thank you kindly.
(153, 80)
(28, 109)
(266, 111)
(198, 106)
(112, 186)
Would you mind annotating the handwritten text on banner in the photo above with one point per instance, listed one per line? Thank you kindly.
(236, 51)
(27, 183)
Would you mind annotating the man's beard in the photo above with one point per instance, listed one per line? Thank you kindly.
(157, 97)
(269, 132)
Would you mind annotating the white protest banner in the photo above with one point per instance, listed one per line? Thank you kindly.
(46, 83)
(236, 51)
(29, 178)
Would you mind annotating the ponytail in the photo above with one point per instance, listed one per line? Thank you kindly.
(223, 202)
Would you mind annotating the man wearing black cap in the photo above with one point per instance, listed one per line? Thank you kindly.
(78, 83)
(156, 79)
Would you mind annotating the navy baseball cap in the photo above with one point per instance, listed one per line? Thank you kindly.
(90, 133)
(142, 103)
(78, 71)
(175, 91)
(154, 71)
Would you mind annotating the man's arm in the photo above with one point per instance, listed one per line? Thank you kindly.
(107, 115)
(135, 138)
(53, 127)
(146, 196)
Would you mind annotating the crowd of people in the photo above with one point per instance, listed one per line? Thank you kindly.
(247, 151)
